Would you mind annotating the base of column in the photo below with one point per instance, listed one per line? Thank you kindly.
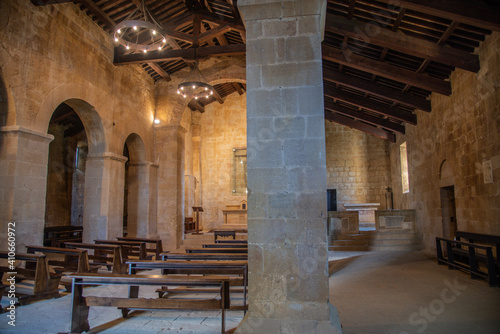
(258, 325)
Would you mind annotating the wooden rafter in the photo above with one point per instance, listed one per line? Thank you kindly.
(48, 2)
(99, 13)
(348, 58)
(157, 68)
(213, 33)
(238, 88)
(370, 104)
(361, 126)
(402, 43)
(376, 90)
(377, 121)
(475, 13)
(166, 55)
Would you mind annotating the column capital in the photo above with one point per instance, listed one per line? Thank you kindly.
(179, 128)
(25, 131)
(252, 10)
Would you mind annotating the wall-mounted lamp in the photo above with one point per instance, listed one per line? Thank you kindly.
(157, 121)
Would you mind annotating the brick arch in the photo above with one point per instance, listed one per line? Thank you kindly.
(217, 72)
(84, 101)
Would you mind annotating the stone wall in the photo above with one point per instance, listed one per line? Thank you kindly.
(463, 130)
(54, 54)
(222, 128)
(357, 164)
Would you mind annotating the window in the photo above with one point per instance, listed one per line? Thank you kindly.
(404, 168)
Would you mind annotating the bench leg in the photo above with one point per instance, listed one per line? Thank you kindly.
(79, 310)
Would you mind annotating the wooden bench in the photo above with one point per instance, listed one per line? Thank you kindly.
(224, 233)
(81, 304)
(157, 250)
(455, 259)
(171, 267)
(216, 250)
(45, 283)
(130, 249)
(56, 236)
(219, 245)
(104, 255)
(484, 239)
(205, 256)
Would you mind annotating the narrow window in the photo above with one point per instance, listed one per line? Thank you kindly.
(404, 168)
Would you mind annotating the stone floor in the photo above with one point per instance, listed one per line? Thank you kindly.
(377, 293)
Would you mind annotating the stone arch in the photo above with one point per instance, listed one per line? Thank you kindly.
(137, 194)
(446, 174)
(7, 111)
(83, 100)
(136, 147)
(216, 72)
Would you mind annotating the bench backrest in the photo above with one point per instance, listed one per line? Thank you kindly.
(82, 265)
(481, 238)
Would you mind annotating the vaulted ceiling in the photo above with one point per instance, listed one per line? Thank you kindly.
(381, 58)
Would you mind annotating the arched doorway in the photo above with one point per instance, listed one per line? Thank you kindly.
(66, 169)
(136, 188)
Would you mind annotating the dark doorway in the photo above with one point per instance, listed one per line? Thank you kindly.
(448, 212)
(331, 198)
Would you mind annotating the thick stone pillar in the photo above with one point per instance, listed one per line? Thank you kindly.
(103, 197)
(169, 144)
(141, 196)
(288, 257)
(23, 184)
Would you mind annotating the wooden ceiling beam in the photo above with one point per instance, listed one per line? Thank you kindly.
(367, 128)
(213, 18)
(368, 104)
(196, 105)
(157, 68)
(99, 13)
(475, 13)
(376, 89)
(48, 2)
(377, 121)
(400, 42)
(167, 55)
(238, 88)
(348, 58)
(213, 33)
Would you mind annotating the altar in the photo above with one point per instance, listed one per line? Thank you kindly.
(366, 212)
(235, 215)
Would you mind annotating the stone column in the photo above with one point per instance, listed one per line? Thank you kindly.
(198, 198)
(169, 144)
(288, 256)
(141, 196)
(23, 184)
(103, 196)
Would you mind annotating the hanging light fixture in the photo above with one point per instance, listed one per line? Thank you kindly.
(195, 86)
(140, 23)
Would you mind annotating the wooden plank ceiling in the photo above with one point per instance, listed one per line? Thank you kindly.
(381, 58)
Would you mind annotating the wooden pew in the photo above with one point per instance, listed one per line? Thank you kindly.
(80, 304)
(104, 255)
(229, 241)
(130, 249)
(75, 260)
(157, 250)
(56, 236)
(205, 256)
(484, 239)
(219, 245)
(45, 283)
(473, 259)
(196, 267)
(216, 250)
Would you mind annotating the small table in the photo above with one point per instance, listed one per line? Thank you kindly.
(224, 233)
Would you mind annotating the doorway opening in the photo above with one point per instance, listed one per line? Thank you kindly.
(448, 212)
(331, 198)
